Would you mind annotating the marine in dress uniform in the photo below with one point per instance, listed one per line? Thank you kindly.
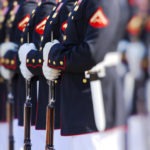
(23, 13)
(5, 8)
(17, 24)
(54, 25)
(14, 5)
(3, 14)
(22, 18)
(83, 46)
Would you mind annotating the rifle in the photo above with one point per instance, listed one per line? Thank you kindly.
(27, 113)
(27, 117)
(10, 115)
(50, 114)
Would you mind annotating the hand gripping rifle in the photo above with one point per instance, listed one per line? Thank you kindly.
(50, 114)
(27, 114)
(95, 75)
(10, 114)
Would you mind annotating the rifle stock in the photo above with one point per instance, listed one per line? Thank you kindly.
(27, 118)
(10, 117)
(50, 114)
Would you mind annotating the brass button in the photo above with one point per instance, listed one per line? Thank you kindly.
(76, 8)
(27, 61)
(72, 17)
(33, 61)
(12, 62)
(69, 14)
(40, 61)
(84, 81)
(54, 63)
(75, 3)
(12, 18)
(49, 61)
(33, 11)
(42, 38)
(64, 37)
(6, 61)
(56, 81)
(41, 48)
(54, 15)
(2, 60)
(21, 40)
(61, 62)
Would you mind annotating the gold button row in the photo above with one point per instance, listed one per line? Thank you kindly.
(54, 62)
(7, 61)
(33, 61)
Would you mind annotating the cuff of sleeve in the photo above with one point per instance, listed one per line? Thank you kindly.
(10, 60)
(56, 59)
(34, 62)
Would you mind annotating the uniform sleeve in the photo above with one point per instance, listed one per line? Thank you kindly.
(11, 61)
(34, 62)
(98, 40)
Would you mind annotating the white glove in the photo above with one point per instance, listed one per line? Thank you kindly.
(25, 71)
(7, 46)
(49, 73)
(6, 74)
(47, 49)
(24, 50)
(4, 48)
